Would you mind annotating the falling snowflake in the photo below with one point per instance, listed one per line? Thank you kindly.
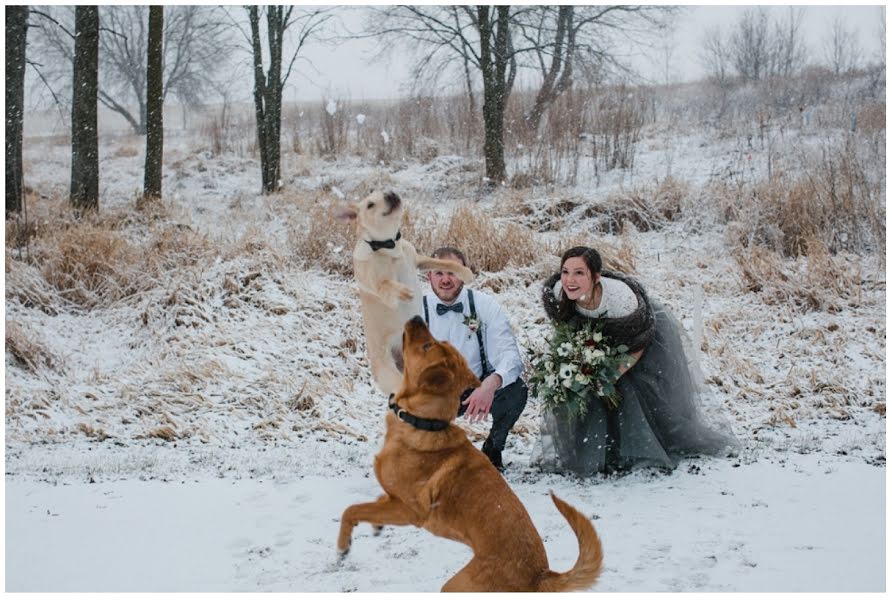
(360, 118)
(331, 107)
(385, 136)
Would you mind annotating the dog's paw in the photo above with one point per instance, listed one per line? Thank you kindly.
(405, 293)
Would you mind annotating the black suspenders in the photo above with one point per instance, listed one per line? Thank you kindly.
(483, 362)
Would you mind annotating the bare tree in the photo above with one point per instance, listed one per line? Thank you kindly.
(558, 41)
(715, 56)
(154, 103)
(841, 49)
(52, 56)
(788, 54)
(16, 40)
(268, 87)
(751, 45)
(554, 55)
(498, 79)
(84, 127)
(197, 44)
(479, 40)
(759, 50)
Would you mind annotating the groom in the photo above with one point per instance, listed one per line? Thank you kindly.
(476, 325)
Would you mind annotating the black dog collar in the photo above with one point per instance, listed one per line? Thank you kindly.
(418, 422)
(389, 244)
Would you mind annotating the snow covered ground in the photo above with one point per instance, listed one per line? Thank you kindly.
(791, 523)
(205, 433)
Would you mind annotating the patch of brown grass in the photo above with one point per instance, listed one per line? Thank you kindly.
(91, 266)
(27, 351)
(490, 245)
(646, 209)
(818, 280)
(872, 117)
(317, 237)
(126, 151)
(178, 246)
(835, 201)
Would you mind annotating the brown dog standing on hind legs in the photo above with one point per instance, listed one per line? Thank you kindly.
(434, 478)
(386, 269)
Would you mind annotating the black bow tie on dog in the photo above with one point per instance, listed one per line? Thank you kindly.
(442, 309)
(389, 244)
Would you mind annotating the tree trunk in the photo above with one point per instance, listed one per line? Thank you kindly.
(84, 126)
(268, 93)
(493, 64)
(16, 38)
(561, 64)
(154, 103)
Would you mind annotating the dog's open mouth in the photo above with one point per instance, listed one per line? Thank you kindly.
(393, 202)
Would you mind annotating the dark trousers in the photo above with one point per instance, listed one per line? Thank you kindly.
(507, 404)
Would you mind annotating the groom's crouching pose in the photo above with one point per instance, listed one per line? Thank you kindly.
(434, 478)
(476, 324)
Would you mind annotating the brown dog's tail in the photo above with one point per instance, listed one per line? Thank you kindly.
(591, 556)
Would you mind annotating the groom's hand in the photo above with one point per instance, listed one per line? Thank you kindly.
(479, 403)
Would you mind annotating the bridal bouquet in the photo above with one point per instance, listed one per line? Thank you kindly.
(578, 364)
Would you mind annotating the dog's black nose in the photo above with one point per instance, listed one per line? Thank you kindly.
(392, 199)
(418, 320)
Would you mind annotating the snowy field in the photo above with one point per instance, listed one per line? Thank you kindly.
(204, 433)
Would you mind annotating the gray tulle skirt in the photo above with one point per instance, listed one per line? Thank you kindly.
(659, 421)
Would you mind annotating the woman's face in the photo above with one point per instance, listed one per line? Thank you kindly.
(576, 279)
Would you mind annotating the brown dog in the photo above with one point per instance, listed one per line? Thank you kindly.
(386, 267)
(434, 478)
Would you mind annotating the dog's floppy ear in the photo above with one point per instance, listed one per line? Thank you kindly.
(345, 213)
(435, 377)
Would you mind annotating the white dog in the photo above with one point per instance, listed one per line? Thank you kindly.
(386, 269)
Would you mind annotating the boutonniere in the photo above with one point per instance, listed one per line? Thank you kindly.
(472, 323)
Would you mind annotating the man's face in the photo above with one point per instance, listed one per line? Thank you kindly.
(445, 284)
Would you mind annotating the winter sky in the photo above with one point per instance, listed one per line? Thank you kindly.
(344, 69)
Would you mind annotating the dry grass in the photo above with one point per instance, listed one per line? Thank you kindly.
(91, 266)
(817, 281)
(317, 237)
(646, 209)
(30, 353)
(126, 151)
(177, 246)
(26, 284)
(872, 118)
(488, 245)
(834, 201)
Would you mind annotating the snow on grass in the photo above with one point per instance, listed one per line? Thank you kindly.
(204, 432)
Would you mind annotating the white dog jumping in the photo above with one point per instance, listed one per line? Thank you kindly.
(386, 270)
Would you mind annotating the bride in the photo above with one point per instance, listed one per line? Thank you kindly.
(657, 421)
